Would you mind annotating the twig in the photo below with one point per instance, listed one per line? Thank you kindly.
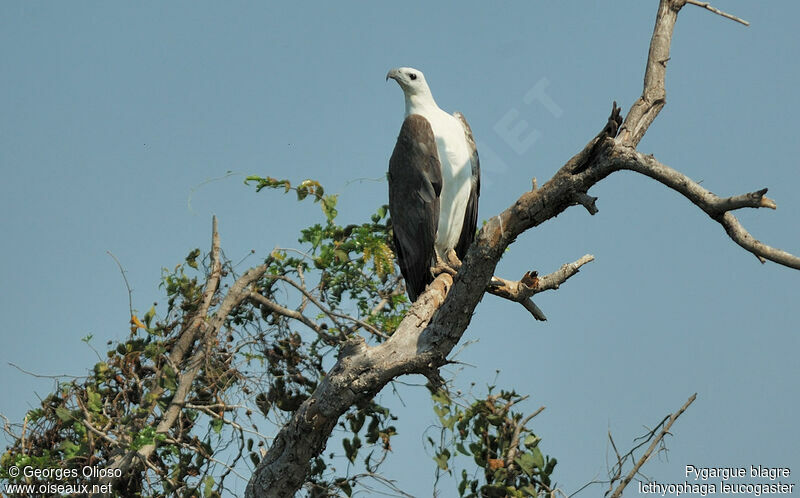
(512, 450)
(125, 278)
(715, 10)
(530, 284)
(39, 376)
(326, 310)
(534, 310)
(752, 200)
(627, 479)
(22, 436)
(293, 314)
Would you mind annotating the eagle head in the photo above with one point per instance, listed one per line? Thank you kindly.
(411, 80)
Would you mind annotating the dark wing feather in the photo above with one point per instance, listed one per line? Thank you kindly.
(415, 182)
(471, 213)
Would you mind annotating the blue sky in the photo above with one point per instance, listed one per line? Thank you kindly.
(120, 123)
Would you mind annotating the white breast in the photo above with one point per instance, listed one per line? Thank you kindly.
(454, 156)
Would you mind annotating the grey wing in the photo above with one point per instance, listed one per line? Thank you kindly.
(415, 183)
(471, 213)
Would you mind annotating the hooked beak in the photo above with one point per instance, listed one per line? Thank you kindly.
(394, 73)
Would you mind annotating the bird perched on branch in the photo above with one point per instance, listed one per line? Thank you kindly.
(434, 184)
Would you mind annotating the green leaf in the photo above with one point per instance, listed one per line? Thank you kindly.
(357, 422)
(493, 491)
(462, 486)
(63, 414)
(328, 205)
(532, 440)
(442, 458)
(100, 370)
(550, 465)
(191, 260)
(148, 317)
(441, 398)
(70, 449)
(169, 380)
(94, 401)
(143, 438)
(208, 489)
(342, 484)
(348, 450)
(527, 463)
(538, 458)
(216, 425)
(341, 256)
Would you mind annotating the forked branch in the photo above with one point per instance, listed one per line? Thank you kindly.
(718, 208)
(655, 442)
(523, 289)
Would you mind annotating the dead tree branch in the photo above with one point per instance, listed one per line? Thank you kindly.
(715, 10)
(664, 431)
(512, 450)
(719, 209)
(654, 97)
(522, 290)
(196, 337)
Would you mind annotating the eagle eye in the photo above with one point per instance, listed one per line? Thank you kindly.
(412, 76)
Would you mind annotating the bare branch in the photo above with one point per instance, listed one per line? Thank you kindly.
(555, 279)
(762, 251)
(87, 421)
(202, 329)
(627, 479)
(715, 10)
(587, 201)
(188, 334)
(654, 96)
(281, 310)
(40, 376)
(512, 450)
(534, 310)
(332, 314)
(125, 278)
(531, 283)
(717, 208)
(753, 200)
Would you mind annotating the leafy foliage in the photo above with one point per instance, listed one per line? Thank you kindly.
(197, 401)
(495, 438)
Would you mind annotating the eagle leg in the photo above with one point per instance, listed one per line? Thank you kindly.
(446, 265)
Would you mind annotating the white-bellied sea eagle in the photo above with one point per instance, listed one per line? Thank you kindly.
(434, 184)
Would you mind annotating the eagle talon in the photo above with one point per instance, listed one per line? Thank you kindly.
(442, 266)
(451, 258)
